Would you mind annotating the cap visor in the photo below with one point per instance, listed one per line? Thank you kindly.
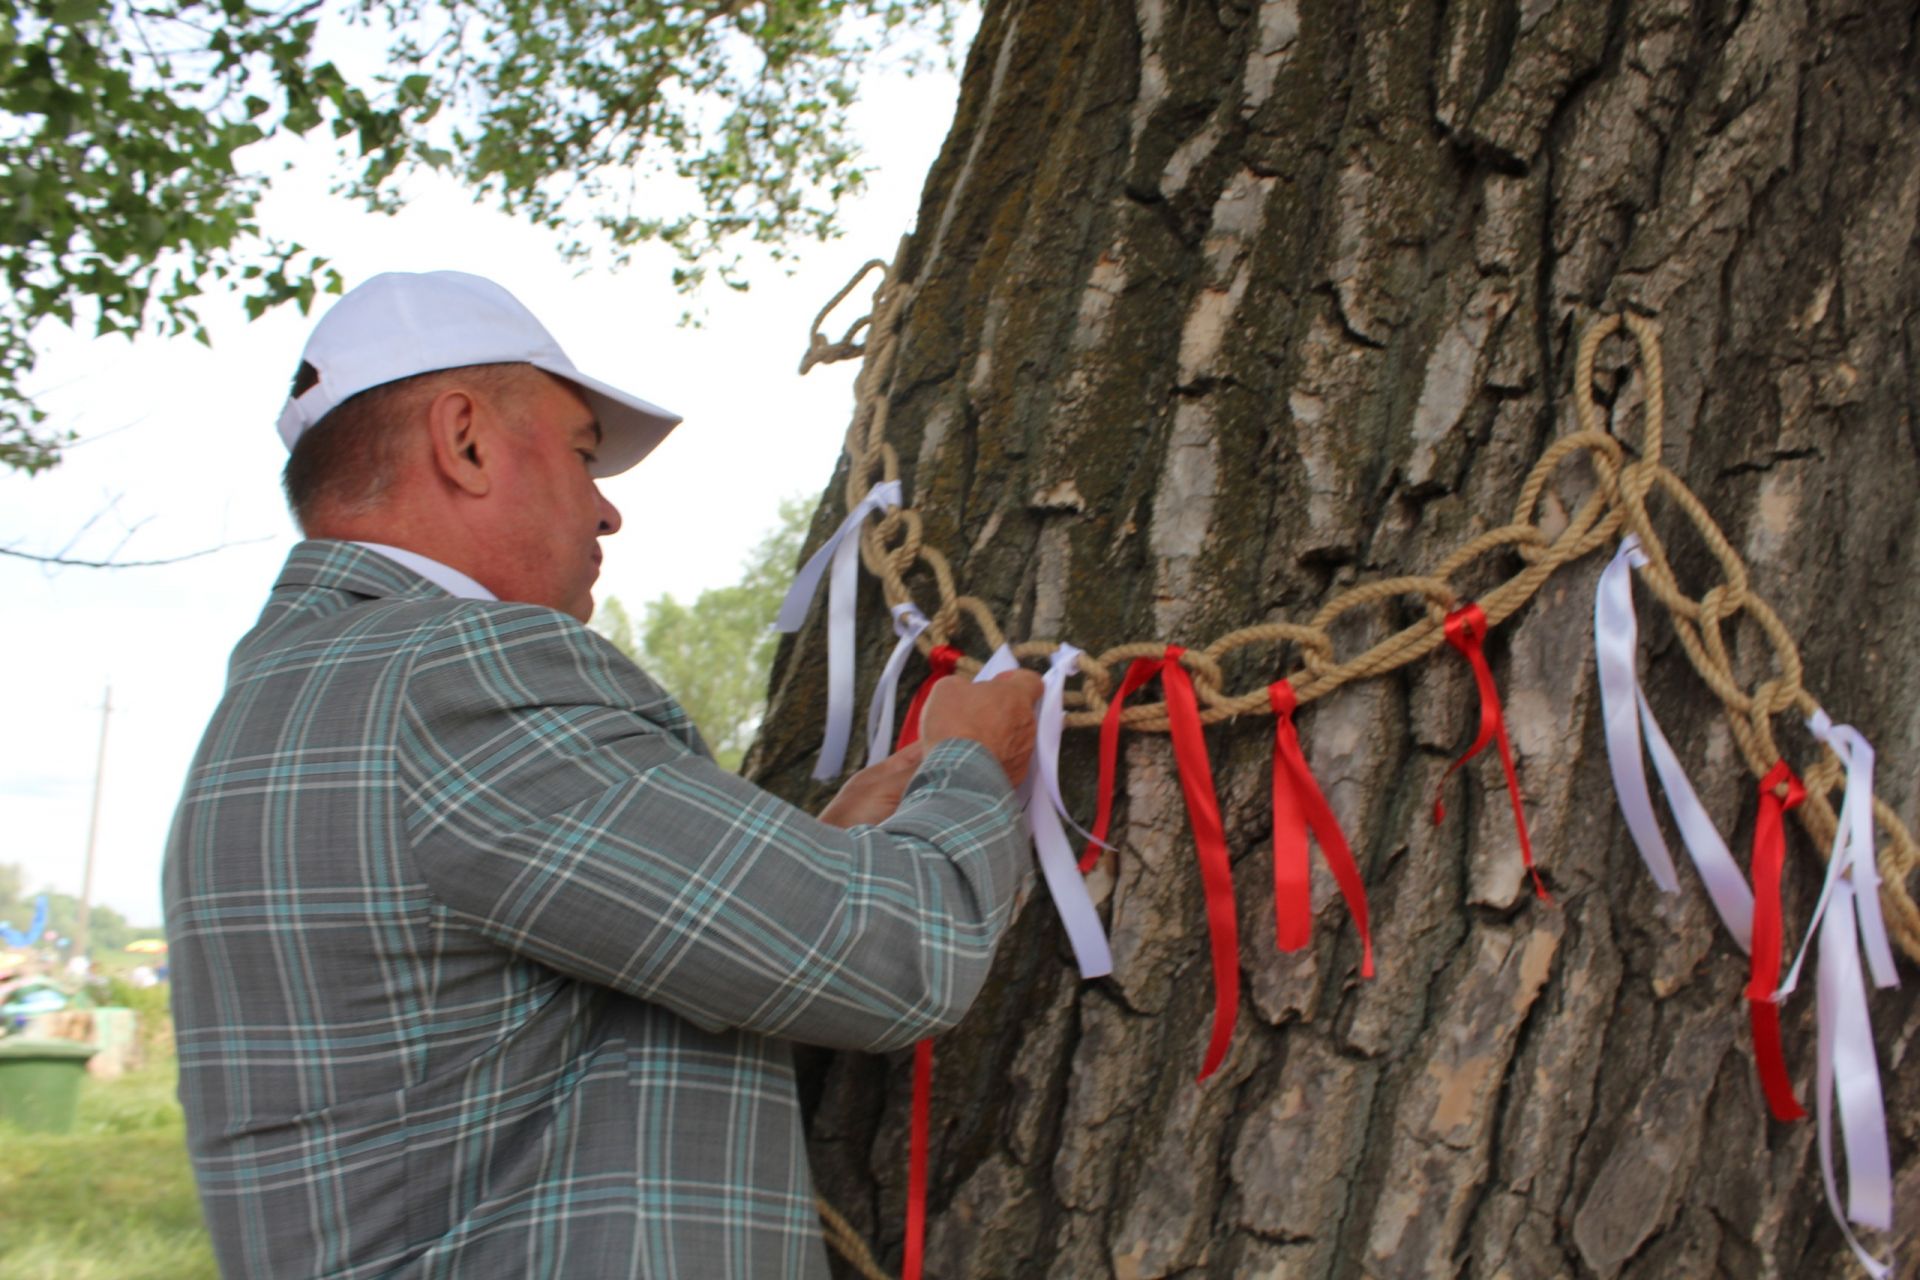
(629, 426)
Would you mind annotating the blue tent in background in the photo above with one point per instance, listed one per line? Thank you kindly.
(14, 938)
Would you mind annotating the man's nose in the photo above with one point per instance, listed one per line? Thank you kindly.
(609, 514)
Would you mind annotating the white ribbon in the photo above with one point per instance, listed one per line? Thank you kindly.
(1057, 861)
(1051, 724)
(1616, 642)
(1852, 855)
(842, 549)
(1847, 915)
(1627, 715)
(1045, 809)
(1847, 1065)
(908, 623)
(1000, 663)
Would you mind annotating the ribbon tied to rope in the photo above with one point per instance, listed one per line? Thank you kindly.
(1851, 859)
(1780, 791)
(1299, 806)
(1627, 714)
(1845, 920)
(842, 552)
(920, 1119)
(1466, 631)
(1203, 812)
(1045, 810)
(941, 663)
(1846, 916)
(908, 624)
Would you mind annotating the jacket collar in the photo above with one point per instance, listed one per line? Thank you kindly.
(442, 575)
(342, 566)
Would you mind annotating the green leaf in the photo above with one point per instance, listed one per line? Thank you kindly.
(75, 13)
(126, 182)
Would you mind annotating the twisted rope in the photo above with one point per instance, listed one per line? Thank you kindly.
(894, 546)
(847, 1242)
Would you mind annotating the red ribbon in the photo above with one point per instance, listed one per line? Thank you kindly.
(1466, 629)
(941, 663)
(1203, 811)
(1298, 805)
(1138, 674)
(917, 1161)
(1769, 859)
(1210, 843)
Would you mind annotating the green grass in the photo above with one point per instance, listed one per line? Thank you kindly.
(114, 1199)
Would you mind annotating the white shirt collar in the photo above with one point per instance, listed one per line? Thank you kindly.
(447, 578)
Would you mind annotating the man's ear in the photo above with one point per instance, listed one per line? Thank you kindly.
(462, 444)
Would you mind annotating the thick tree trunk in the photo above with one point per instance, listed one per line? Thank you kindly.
(1221, 308)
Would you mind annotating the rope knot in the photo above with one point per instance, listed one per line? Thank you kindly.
(822, 351)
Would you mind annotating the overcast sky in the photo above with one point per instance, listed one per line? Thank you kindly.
(180, 441)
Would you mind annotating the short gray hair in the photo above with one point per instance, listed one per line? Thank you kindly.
(346, 461)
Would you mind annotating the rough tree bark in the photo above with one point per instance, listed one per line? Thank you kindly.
(1222, 307)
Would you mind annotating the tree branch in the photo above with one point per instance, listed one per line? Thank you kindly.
(69, 562)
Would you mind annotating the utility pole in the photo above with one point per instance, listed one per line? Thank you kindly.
(81, 940)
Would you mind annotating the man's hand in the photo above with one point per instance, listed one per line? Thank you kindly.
(872, 794)
(998, 715)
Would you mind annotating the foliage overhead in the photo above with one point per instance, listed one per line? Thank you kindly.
(714, 655)
(124, 126)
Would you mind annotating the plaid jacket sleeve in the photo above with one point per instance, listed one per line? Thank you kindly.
(553, 812)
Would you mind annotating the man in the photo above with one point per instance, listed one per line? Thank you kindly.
(481, 966)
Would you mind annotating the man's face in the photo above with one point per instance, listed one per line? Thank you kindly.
(553, 511)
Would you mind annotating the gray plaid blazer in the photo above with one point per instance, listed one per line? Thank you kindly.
(482, 967)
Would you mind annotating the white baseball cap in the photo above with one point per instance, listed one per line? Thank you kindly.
(401, 324)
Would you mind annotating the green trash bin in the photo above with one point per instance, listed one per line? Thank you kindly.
(40, 1082)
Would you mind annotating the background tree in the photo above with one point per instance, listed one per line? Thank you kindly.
(1220, 308)
(714, 654)
(109, 930)
(125, 127)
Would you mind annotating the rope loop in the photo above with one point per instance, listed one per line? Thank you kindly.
(1593, 416)
(893, 548)
(1507, 535)
(1435, 591)
(821, 351)
(1096, 682)
(1596, 520)
(1307, 638)
(983, 619)
(1541, 536)
(1206, 675)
